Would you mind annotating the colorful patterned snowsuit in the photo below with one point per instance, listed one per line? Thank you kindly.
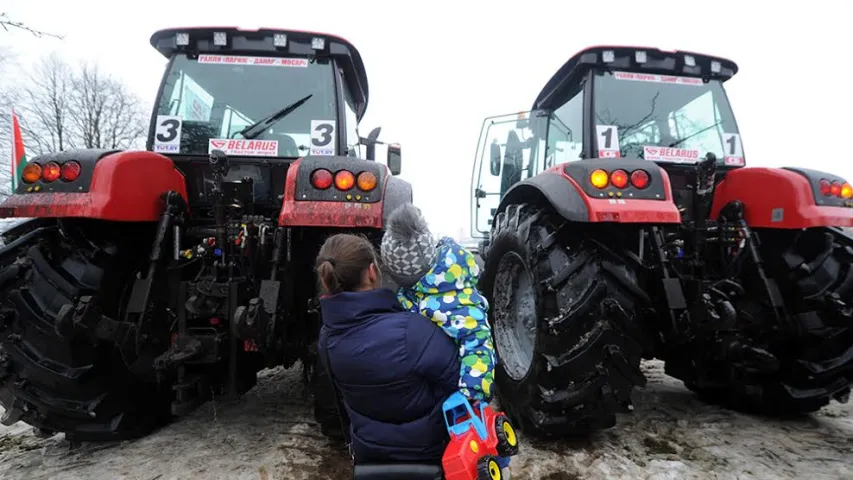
(447, 296)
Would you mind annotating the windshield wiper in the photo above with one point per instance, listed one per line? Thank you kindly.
(679, 142)
(258, 127)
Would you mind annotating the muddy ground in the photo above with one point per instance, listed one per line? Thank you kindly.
(269, 435)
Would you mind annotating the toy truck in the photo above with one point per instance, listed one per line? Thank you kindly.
(480, 439)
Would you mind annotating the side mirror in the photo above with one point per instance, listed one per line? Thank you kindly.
(370, 142)
(495, 159)
(394, 158)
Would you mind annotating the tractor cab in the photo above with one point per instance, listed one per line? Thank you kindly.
(613, 102)
(263, 97)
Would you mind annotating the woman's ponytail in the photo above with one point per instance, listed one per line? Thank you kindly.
(342, 262)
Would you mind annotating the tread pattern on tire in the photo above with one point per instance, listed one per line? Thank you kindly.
(587, 353)
(69, 382)
(816, 361)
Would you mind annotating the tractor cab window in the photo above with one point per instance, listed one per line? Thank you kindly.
(352, 143)
(208, 100)
(511, 149)
(664, 118)
(565, 132)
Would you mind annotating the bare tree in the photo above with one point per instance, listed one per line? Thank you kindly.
(7, 60)
(62, 107)
(104, 114)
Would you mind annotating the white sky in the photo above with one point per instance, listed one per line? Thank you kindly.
(437, 68)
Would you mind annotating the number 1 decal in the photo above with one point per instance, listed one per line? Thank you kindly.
(731, 141)
(608, 141)
(322, 137)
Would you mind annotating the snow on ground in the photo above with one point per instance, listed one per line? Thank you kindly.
(269, 435)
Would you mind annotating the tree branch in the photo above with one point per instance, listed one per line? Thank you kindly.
(6, 23)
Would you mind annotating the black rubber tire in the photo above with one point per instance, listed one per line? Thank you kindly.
(815, 361)
(585, 358)
(74, 383)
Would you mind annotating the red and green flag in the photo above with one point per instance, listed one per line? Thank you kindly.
(19, 157)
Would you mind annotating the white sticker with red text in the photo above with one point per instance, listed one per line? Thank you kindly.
(734, 150)
(670, 155)
(242, 147)
(656, 78)
(260, 61)
(608, 141)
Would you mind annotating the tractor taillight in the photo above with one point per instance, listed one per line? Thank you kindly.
(344, 180)
(366, 181)
(639, 179)
(825, 187)
(835, 189)
(31, 173)
(619, 178)
(321, 179)
(51, 172)
(70, 171)
(846, 191)
(599, 178)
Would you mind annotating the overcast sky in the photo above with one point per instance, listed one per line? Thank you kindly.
(437, 68)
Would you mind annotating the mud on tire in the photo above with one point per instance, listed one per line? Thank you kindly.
(61, 380)
(564, 322)
(812, 269)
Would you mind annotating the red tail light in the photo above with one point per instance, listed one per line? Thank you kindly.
(70, 171)
(321, 179)
(51, 172)
(825, 187)
(619, 178)
(32, 173)
(344, 180)
(639, 179)
(835, 189)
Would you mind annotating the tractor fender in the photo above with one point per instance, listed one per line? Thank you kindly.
(565, 188)
(788, 198)
(307, 206)
(397, 192)
(113, 185)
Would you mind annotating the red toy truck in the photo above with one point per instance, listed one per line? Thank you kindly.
(479, 440)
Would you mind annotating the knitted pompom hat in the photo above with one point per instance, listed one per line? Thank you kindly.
(408, 248)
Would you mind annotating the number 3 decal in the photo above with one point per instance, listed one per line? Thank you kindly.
(167, 134)
(322, 137)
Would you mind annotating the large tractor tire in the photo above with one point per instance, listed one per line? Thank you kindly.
(68, 380)
(565, 324)
(813, 348)
(326, 413)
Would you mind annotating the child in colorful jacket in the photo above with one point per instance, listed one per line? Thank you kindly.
(438, 280)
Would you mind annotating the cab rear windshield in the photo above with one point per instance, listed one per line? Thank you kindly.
(664, 118)
(211, 98)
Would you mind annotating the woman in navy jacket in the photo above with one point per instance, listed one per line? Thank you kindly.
(393, 368)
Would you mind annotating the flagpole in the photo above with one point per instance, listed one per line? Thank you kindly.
(14, 157)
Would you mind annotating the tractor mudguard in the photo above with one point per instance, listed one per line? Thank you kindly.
(113, 185)
(307, 206)
(783, 198)
(566, 188)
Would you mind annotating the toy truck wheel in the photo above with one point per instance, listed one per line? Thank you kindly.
(489, 469)
(814, 274)
(507, 440)
(564, 322)
(60, 377)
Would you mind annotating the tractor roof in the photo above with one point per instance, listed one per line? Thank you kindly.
(632, 59)
(272, 41)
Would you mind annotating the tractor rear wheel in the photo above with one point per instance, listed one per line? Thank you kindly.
(61, 379)
(813, 348)
(564, 323)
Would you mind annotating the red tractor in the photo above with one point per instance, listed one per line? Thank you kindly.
(149, 281)
(619, 223)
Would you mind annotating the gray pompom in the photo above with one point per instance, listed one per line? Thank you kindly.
(406, 223)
